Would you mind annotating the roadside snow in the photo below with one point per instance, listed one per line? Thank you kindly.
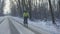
(46, 25)
(1, 18)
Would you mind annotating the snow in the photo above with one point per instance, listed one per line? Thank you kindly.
(4, 27)
(46, 25)
(1, 18)
(21, 28)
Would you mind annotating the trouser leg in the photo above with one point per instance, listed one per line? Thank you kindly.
(25, 22)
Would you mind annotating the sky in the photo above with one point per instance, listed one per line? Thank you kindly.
(7, 7)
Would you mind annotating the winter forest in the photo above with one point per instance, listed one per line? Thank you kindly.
(38, 9)
(44, 15)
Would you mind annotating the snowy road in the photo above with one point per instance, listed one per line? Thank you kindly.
(8, 25)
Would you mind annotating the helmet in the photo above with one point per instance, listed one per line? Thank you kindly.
(25, 11)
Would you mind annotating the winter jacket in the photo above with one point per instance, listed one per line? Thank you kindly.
(25, 14)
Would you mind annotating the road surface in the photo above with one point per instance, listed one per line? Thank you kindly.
(8, 25)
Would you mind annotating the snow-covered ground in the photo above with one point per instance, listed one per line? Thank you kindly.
(45, 25)
(34, 27)
(1, 18)
(21, 28)
(4, 27)
(9, 26)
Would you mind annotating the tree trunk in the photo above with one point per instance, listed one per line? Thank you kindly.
(30, 9)
(53, 20)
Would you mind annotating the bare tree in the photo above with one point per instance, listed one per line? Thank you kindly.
(2, 6)
(53, 20)
(30, 9)
(59, 8)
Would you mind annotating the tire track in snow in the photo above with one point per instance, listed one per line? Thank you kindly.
(26, 27)
(4, 27)
(12, 28)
